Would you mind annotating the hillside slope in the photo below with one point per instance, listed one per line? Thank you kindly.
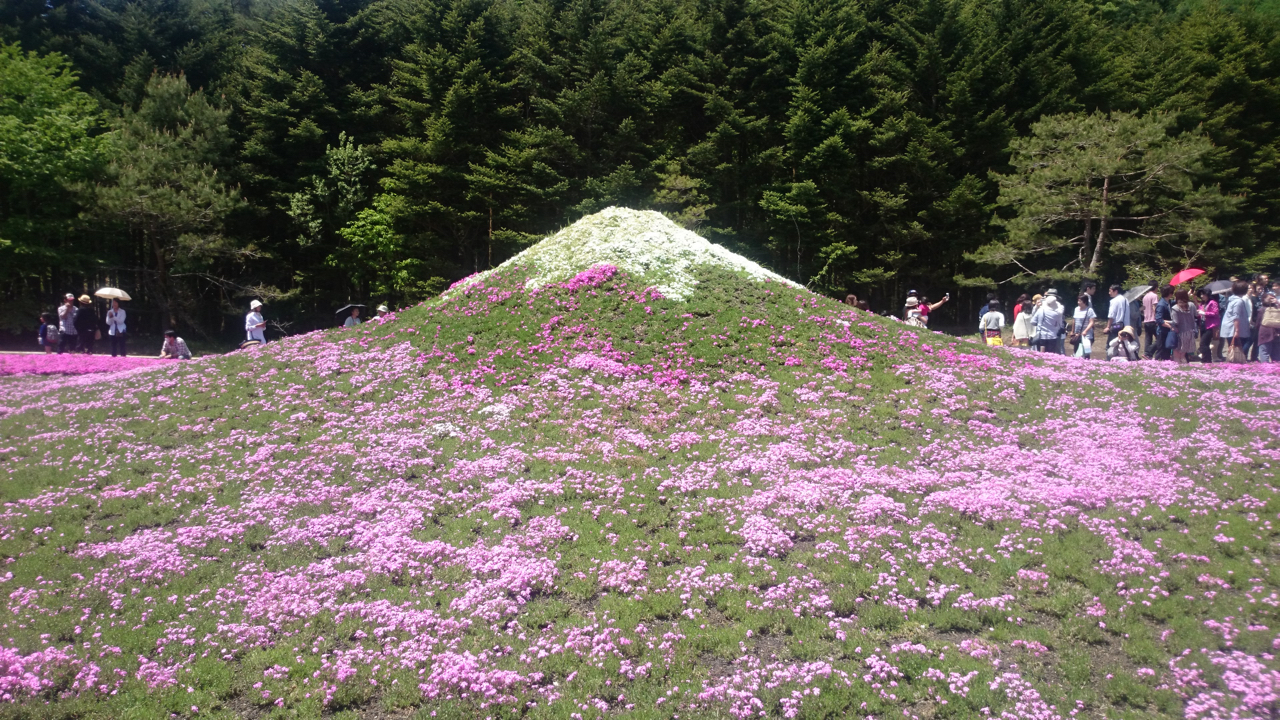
(580, 496)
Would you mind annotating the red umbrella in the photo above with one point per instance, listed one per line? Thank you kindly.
(1185, 275)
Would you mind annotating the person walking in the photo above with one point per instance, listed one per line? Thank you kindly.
(67, 324)
(1124, 348)
(1182, 327)
(116, 328)
(1082, 326)
(992, 325)
(1235, 323)
(255, 326)
(1117, 313)
(1210, 315)
(1047, 321)
(87, 325)
(174, 348)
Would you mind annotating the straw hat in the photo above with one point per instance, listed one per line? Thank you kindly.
(1127, 330)
(86, 300)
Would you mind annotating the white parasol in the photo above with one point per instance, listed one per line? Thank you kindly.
(113, 294)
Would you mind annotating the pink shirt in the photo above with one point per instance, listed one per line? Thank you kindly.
(1149, 302)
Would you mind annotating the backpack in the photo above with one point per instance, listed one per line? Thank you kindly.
(51, 334)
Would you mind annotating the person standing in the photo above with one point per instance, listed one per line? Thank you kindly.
(1023, 329)
(1210, 317)
(86, 324)
(49, 333)
(1017, 306)
(992, 325)
(1117, 313)
(116, 328)
(1268, 342)
(1182, 327)
(1048, 322)
(67, 324)
(255, 326)
(1082, 328)
(911, 313)
(1235, 322)
(1164, 323)
(1148, 319)
(926, 308)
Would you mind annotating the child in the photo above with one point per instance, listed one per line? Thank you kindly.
(49, 335)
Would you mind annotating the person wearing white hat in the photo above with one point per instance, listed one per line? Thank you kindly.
(382, 311)
(1048, 323)
(255, 325)
(911, 313)
(67, 324)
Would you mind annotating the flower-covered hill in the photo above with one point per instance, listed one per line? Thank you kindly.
(568, 494)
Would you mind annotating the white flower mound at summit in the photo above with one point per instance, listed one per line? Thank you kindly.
(643, 243)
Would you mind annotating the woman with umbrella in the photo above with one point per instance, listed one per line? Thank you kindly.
(352, 313)
(116, 327)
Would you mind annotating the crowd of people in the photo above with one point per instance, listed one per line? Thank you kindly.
(78, 326)
(1236, 321)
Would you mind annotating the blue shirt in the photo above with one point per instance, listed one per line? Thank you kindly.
(1235, 319)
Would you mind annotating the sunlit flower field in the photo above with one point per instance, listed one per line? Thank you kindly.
(585, 499)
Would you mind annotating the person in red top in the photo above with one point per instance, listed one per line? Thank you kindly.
(926, 308)
(1017, 307)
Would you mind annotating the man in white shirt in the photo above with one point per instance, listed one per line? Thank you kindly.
(1117, 313)
(67, 323)
(255, 326)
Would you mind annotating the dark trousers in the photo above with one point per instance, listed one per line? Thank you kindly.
(86, 343)
(1207, 343)
(68, 343)
(1149, 332)
(117, 344)
(1162, 352)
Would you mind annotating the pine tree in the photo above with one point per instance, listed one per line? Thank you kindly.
(163, 192)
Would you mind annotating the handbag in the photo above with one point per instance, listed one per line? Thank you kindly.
(97, 334)
(1271, 317)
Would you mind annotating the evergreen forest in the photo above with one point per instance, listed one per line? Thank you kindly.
(311, 153)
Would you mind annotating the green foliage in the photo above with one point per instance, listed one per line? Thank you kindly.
(162, 188)
(851, 146)
(47, 141)
(1123, 184)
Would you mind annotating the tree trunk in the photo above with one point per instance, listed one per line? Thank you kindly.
(162, 284)
(1102, 228)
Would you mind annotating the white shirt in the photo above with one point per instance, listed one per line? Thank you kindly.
(351, 322)
(115, 322)
(251, 323)
(1118, 311)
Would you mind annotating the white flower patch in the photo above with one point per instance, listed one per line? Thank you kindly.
(643, 243)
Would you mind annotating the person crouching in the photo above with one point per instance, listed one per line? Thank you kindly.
(174, 348)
